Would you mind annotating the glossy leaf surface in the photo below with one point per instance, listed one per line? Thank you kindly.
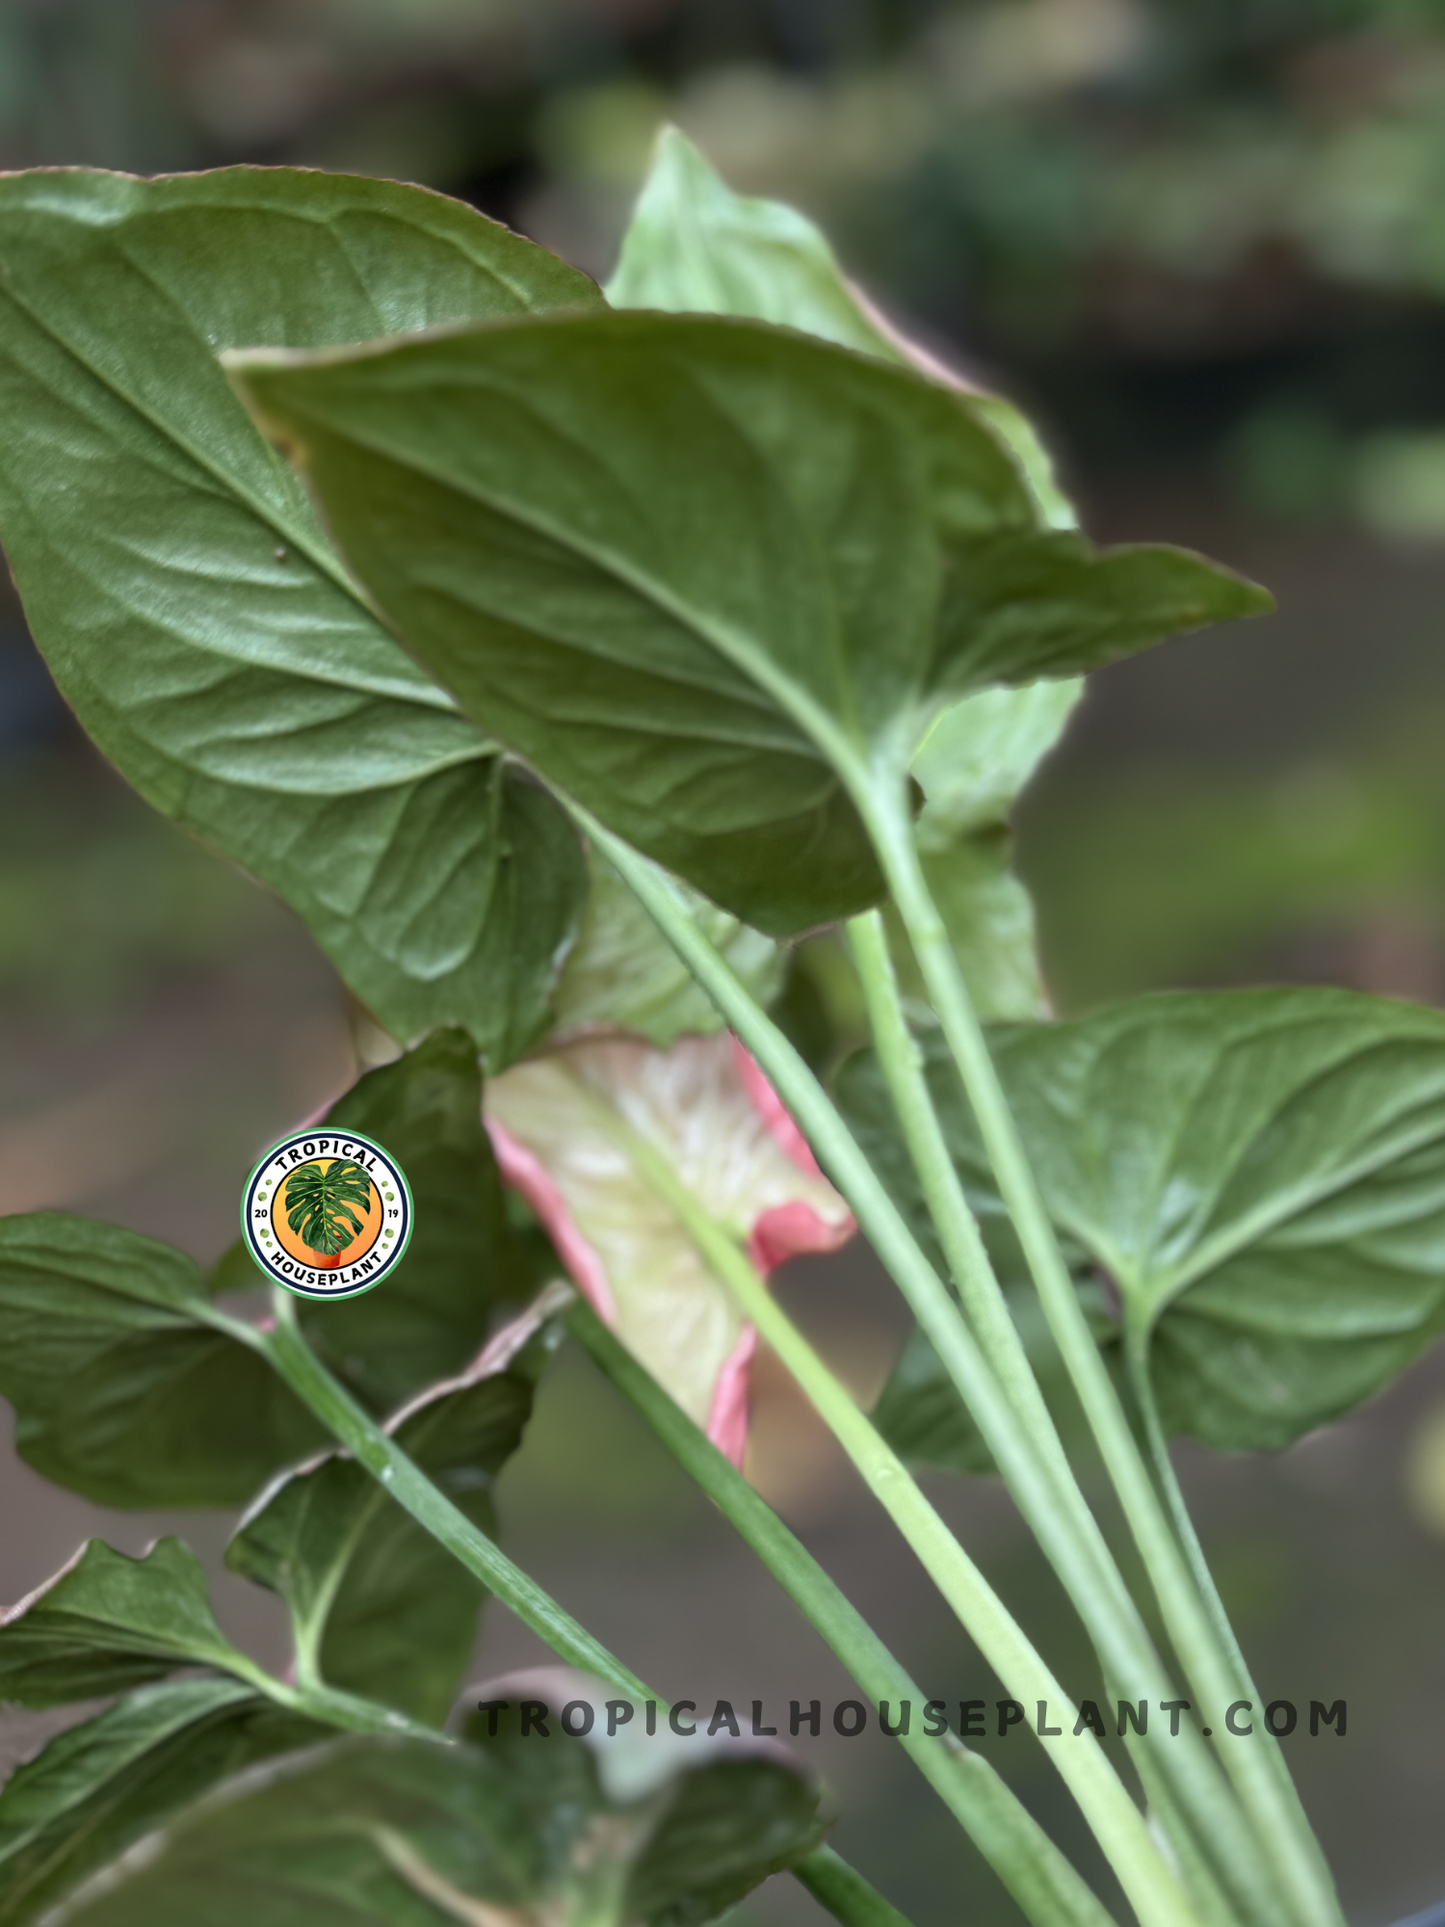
(121, 1389)
(107, 1622)
(192, 611)
(1260, 1174)
(756, 564)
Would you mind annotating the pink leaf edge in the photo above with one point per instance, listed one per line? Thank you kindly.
(772, 1110)
(782, 1232)
(527, 1174)
(732, 1397)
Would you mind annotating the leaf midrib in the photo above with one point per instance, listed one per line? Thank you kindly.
(836, 749)
(1212, 1253)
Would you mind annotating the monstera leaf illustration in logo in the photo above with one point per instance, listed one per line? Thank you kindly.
(319, 1201)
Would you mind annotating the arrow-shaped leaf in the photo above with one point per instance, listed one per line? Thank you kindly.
(193, 613)
(1259, 1175)
(122, 1389)
(711, 578)
(107, 1622)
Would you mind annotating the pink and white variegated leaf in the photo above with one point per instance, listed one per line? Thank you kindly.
(707, 1108)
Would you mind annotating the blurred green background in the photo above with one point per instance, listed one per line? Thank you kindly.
(1203, 241)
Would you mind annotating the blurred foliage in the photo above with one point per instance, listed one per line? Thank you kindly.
(1210, 227)
(1243, 194)
(1425, 1472)
(100, 899)
(1327, 871)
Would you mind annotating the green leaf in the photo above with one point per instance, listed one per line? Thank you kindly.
(710, 1818)
(100, 1786)
(193, 613)
(1260, 1175)
(727, 1828)
(623, 974)
(919, 1411)
(1035, 604)
(432, 1317)
(744, 555)
(107, 1622)
(693, 246)
(377, 1606)
(411, 1835)
(122, 1389)
(981, 753)
(297, 1843)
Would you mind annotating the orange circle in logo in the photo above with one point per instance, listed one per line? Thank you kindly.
(361, 1243)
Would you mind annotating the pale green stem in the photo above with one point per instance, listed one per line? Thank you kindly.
(901, 1062)
(853, 1902)
(384, 1459)
(1038, 1876)
(845, 1893)
(1137, 1364)
(326, 1705)
(1211, 1900)
(1126, 1653)
(1150, 1883)
(1280, 1825)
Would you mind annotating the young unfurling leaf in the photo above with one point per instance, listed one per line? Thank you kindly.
(560, 1124)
